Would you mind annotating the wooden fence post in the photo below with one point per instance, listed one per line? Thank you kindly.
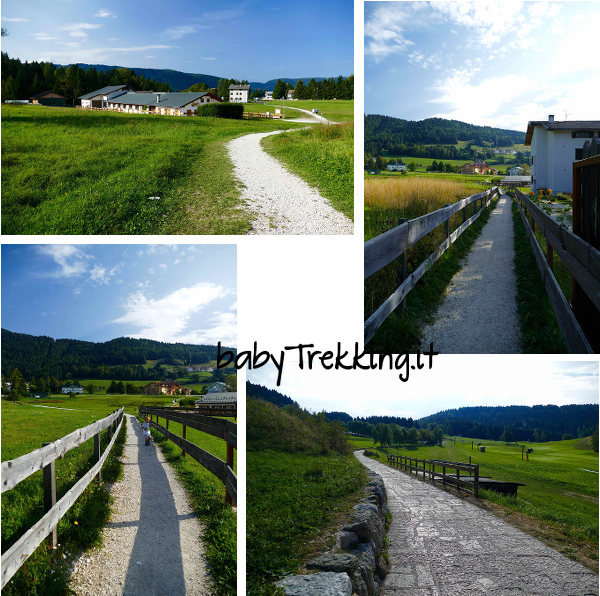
(50, 492)
(464, 212)
(97, 454)
(402, 267)
(447, 224)
(184, 429)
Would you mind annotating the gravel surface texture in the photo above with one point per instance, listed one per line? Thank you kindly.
(282, 202)
(441, 545)
(152, 544)
(478, 314)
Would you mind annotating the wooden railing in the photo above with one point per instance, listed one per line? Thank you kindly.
(390, 245)
(16, 470)
(580, 258)
(586, 225)
(217, 427)
(428, 468)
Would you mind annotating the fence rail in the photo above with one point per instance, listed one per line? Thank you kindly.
(16, 470)
(410, 465)
(217, 427)
(580, 258)
(382, 250)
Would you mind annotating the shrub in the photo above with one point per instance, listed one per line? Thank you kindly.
(233, 111)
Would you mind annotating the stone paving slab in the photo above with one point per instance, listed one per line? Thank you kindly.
(441, 545)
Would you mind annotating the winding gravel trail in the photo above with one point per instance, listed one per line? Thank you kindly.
(152, 544)
(478, 314)
(441, 545)
(283, 203)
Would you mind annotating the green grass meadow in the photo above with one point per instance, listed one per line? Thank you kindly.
(561, 479)
(67, 171)
(25, 427)
(323, 156)
(299, 491)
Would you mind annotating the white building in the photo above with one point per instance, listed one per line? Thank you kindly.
(239, 93)
(72, 389)
(122, 99)
(396, 167)
(554, 148)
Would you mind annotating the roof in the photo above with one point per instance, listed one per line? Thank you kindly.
(45, 93)
(567, 125)
(218, 398)
(167, 100)
(239, 87)
(516, 179)
(103, 91)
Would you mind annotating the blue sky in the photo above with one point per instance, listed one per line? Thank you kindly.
(97, 292)
(255, 39)
(451, 383)
(496, 63)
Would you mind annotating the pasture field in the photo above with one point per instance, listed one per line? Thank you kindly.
(323, 156)
(335, 111)
(25, 427)
(561, 483)
(67, 171)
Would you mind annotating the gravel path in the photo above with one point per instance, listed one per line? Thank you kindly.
(441, 545)
(478, 314)
(152, 544)
(282, 202)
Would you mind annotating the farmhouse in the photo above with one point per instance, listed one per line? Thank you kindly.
(48, 98)
(122, 99)
(396, 166)
(165, 388)
(239, 93)
(479, 167)
(290, 94)
(268, 95)
(72, 389)
(554, 148)
(218, 401)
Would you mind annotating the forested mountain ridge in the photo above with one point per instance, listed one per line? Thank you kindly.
(534, 423)
(523, 421)
(43, 356)
(407, 137)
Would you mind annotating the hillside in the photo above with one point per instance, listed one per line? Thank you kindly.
(178, 80)
(414, 138)
(37, 356)
(577, 420)
(270, 395)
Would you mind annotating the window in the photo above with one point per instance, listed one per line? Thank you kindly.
(582, 134)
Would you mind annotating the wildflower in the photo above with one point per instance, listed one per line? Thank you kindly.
(76, 522)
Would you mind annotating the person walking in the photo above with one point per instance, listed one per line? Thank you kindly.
(146, 427)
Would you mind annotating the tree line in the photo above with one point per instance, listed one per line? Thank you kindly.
(434, 138)
(24, 80)
(124, 357)
(522, 423)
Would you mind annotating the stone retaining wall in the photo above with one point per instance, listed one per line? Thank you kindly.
(355, 565)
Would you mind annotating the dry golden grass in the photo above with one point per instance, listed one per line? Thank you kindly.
(414, 194)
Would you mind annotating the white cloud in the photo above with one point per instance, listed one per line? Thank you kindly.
(167, 319)
(43, 37)
(78, 27)
(206, 58)
(179, 32)
(15, 20)
(103, 14)
(72, 260)
(163, 266)
(177, 261)
(102, 275)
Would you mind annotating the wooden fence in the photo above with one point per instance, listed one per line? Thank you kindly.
(428, 468)
(16, 470)
(214, 409)
(579, 257)
(390, 245)
(586, 225)
(217, 427)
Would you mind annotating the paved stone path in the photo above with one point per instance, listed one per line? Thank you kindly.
(444, 546)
